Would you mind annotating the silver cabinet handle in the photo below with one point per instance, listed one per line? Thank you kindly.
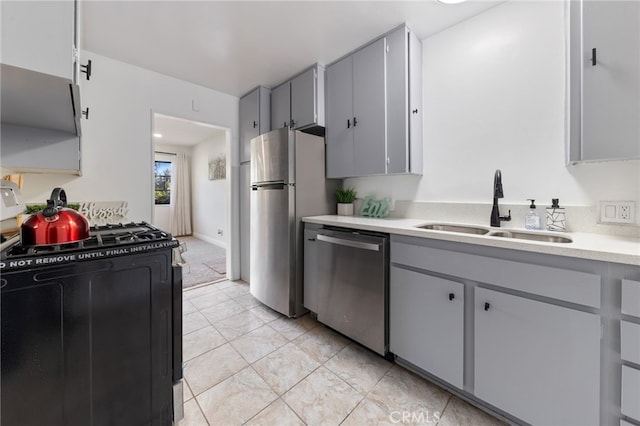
(349, 243)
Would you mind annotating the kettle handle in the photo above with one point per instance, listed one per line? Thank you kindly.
(59, 197)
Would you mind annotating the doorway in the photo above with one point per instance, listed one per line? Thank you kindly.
(191, 193)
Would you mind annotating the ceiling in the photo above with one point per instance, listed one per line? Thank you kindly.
(178, 131)
(234, 46)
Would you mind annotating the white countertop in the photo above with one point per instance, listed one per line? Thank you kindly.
(606, 248)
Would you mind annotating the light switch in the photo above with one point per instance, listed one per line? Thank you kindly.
(610, 212)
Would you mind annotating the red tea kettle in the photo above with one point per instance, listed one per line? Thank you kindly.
(56, 224)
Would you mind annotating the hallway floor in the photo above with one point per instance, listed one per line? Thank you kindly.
(206, 262)
(247, 364)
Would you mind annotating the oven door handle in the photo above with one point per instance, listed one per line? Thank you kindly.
(349, 243)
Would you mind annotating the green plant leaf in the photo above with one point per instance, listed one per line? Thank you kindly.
(347, 195)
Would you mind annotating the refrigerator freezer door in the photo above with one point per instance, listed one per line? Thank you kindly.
(270, 157)
(272, 249)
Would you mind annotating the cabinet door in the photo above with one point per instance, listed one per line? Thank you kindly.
(426, 323)
(304, 98)
(339, 131)
(369, 110)
(249, 123)
(397, 101)
(311, 273)
(611, 88)
(245, 225)
(415, 105)
(39, 36)
(281, 106)
(630, 392)
(537, 361)
(23, 149)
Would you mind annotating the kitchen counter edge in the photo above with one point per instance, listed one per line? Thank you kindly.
(605, 248)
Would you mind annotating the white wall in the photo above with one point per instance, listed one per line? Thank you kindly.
(116, 139)
(494, 98)
(210, 198)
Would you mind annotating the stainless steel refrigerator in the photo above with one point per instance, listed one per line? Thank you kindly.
(287, 183)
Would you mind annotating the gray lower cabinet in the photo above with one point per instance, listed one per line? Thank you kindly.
(537, 361)
(630, 348)
(426, 323)
(630, 392)
(519, 332)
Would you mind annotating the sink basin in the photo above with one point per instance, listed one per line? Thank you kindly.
(461, 229)
(531, 236)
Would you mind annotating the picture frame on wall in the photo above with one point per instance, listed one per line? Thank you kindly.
(218, 168)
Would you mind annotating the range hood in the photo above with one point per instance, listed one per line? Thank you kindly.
(36, 100)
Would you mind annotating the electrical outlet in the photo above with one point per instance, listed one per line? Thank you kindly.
(617, 211)
(219, 231)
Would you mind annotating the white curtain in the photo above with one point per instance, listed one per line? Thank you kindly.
(181, 206)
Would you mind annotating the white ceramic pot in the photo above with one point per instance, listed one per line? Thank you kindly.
(345, 209)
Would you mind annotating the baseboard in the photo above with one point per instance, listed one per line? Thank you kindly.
(210, 240)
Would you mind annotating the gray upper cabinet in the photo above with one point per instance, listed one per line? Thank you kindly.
(254, 118)
(307, 98)
(299, 102)
(356, 113)
(605, 80)
(40, 36)
(369, 110)
(40, 123)
(374, 111)
(281, 106)
(339, 136)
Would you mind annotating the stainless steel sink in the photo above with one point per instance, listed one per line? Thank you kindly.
(531, 236)
(460, 229)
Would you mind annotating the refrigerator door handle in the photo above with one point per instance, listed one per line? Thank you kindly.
(268, 186)
(349, 243)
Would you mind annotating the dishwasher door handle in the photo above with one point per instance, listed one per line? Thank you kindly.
(349, 243)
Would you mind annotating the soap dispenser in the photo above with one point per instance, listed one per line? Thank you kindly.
(556, 220)
(532, 220)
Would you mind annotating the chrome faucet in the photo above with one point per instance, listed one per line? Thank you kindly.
(497, 193)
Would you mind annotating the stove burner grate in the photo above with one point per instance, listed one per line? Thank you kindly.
(103, 236)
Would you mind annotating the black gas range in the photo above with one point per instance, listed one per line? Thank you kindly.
(105, 241)
(92, 330)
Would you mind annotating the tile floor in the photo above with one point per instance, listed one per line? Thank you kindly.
(247, 364)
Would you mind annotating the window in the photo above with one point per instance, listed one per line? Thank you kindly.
(162, 182)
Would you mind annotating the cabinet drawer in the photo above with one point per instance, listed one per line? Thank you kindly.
(631, 297)
(630, 341)
(631, 392)
(572, 286)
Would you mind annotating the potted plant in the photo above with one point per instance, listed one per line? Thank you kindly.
(345, 197)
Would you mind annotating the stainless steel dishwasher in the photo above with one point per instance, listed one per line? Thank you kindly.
(352, 285)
